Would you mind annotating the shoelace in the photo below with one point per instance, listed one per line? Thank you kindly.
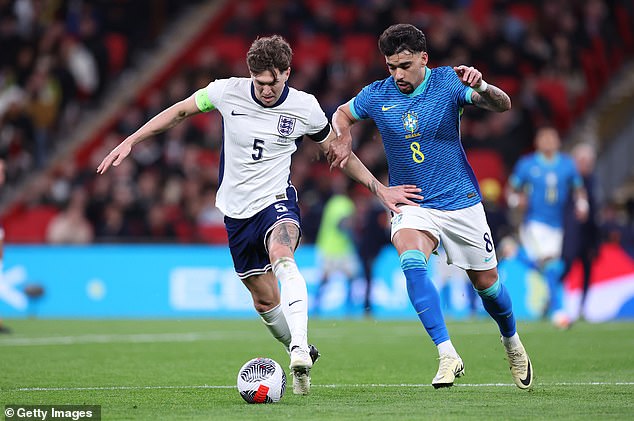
(445, 362)
(517, 360)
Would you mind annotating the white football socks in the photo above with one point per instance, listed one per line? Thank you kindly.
(295, 300)
(276, 323)
(511, 342)
(446, 348)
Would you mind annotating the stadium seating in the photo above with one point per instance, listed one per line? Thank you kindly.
(360, 47)
(358, 62)
(29, 225)
(312, 49)
(230, 48)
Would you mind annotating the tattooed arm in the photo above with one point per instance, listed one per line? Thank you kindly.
(485, 96)
(492, 99)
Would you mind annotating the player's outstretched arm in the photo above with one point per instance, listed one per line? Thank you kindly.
(164, 120)
(391, 197)
(340, 149)
(485, 96)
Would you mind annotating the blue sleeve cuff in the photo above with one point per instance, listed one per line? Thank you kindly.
(468, 94)
(353, 111)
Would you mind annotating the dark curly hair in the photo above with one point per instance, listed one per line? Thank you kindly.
(402, 37)
(269, 53)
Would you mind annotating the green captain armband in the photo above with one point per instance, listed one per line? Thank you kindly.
(202, 100)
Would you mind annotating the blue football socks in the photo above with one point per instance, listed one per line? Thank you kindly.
(497, 302)
(552, 273)
(423, 295)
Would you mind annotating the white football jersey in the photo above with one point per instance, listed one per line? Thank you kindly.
(258, 142)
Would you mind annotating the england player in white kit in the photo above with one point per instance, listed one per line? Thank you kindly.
(263, 118)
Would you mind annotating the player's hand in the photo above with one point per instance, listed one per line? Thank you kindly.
(469, 76)
(399, 195)
(339, 151)
(582, 210)
(115, 157)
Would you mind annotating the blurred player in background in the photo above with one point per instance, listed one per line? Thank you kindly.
(582, 238)
(417, 111)
(541, 184)
(3, 328)
(374, 235)
(263, 117)
(335, 240)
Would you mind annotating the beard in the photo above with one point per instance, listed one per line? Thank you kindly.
(405, 87)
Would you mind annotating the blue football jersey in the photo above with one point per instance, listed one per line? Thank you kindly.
(421, 136)
(547, 184)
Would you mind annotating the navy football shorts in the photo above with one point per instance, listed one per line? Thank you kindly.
(247, 237)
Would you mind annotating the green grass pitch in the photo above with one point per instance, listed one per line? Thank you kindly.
(369, 370)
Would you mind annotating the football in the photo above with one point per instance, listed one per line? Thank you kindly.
(261, 380)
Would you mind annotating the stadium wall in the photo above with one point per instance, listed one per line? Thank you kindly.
(171, 281)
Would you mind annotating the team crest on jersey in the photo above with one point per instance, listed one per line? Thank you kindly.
(286, 125)
(410, 123)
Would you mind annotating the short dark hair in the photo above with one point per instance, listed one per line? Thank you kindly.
(400, 37)
(269, 53)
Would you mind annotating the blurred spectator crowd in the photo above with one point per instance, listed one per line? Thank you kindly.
(59, 56)
(553, 57)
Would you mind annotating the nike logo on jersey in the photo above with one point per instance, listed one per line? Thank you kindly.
(488, 259)
(384, 108)
(280, 216)
(233, 112)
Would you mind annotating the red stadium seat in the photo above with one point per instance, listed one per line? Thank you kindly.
(213, 234)
(509, 84)
(487, 163)
(312, 49)
(117, 46)
(184, 231)
(525, 12)
(480, 10)
(314, 5)
(429, 10)
(207, 158)
(556, 93)
(345, 15)
(594, 63)
(587, 64)
(30, 225)
(230, 48)
(360, 47)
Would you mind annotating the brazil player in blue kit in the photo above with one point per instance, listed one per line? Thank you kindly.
(542, 183)
(417, 111)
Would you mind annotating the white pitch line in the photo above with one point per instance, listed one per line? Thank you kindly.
(143, 338)
(399, 331)
(329, 386)
(120, 338)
